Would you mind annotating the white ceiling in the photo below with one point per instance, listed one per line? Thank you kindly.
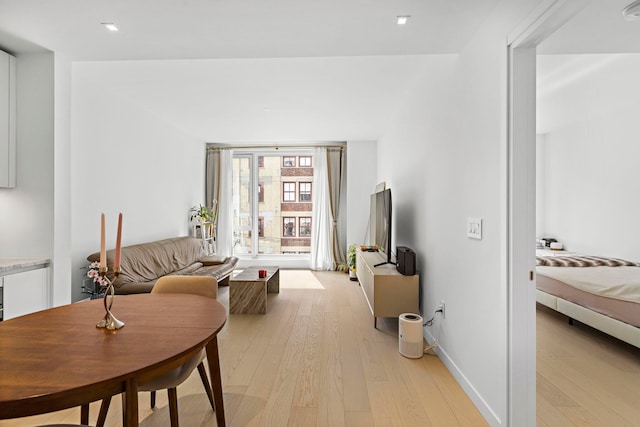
(188, 29)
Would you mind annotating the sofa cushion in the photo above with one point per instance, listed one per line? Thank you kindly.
(219, 271)
(189, 270)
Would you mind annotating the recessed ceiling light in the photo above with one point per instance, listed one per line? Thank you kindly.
(110, 26)
(402, 19)
(632, 11)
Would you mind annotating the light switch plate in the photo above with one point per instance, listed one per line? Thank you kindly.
(474, 228)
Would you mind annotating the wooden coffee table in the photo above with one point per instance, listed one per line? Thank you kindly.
(248, 292)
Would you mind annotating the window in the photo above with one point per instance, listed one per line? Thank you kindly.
(289, 191)
(305, 191)
(288, 226)
(260, 193)
(305, 161)
(305, 226)
(266, 202)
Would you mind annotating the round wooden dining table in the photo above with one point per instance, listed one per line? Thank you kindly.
(57, 358)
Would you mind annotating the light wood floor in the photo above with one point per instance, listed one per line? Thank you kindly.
(315, 359)
(584, 377)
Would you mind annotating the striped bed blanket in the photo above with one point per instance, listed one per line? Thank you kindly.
(582, 261)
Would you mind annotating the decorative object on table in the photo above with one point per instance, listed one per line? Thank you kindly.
(109, 322)
(98, 282)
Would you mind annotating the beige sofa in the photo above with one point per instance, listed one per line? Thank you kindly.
(141, 265)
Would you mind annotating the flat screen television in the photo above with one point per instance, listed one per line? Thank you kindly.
(380, 223)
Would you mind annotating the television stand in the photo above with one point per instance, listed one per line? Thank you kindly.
(388, 293)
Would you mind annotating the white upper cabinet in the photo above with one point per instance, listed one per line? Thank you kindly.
(7, 120)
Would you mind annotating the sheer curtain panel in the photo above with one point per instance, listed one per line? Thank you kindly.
(321, 253)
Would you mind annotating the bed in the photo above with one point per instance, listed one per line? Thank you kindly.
(603, 293)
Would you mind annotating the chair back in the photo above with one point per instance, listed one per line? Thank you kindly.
(198, 285)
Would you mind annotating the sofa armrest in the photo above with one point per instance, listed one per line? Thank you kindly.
(213, 259)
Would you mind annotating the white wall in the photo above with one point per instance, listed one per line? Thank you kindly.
(541, 176)
(361, 182)
(27, 211)
(445, 161)
(35, 216)
(125, 159)
(62, 271)
(592, 178)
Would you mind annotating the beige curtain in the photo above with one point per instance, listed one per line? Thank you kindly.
(218, 196)
(335, 171)
(212, 183)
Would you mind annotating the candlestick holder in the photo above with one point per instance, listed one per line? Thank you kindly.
(110, 321)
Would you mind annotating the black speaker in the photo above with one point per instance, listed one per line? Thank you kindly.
(405, 260)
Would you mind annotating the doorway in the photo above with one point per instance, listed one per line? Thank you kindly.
(521, 140)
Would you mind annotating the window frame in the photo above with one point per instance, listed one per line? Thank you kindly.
(284, 227)
(300, 226)
(300, 192)
(286, 192)
(309, 158)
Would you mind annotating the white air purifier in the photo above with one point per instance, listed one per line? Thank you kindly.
(410, 336)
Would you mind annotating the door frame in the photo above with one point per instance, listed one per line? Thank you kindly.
(549, 16)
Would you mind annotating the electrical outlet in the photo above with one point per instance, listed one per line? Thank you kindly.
(441, 307)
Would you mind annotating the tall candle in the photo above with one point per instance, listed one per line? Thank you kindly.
(116, 263)
(103, 249)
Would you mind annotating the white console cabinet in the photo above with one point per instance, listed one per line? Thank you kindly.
(7, 120)
(388, 292)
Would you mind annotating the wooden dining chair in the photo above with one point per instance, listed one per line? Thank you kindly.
(198, 285)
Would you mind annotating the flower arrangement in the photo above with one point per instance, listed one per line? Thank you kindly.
(94, 275)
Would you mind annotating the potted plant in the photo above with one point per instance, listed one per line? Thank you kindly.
(201, 214)
(203, 217)
(351, 261)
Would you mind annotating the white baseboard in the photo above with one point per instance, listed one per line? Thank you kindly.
(489, 415)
